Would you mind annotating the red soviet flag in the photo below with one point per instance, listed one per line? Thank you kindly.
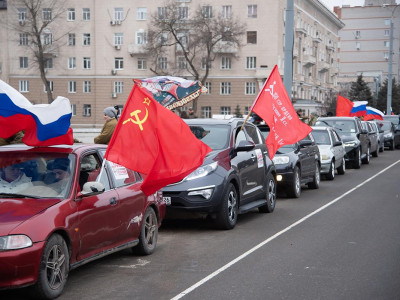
(273, 105)
(154, 141)
(343, 106)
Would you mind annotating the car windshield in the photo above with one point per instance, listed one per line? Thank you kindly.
(215, 136)
(342, 126)
(35, 175)
(321, 137)
(393, 119)
(385, 126)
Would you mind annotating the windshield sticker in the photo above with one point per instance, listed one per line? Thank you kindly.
(119, 171)
(260, 159)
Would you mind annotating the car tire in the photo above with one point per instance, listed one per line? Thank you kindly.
(367, 157)
(294, 190)
(357, 161)
(375, 153)
(53, 269)
(270, 196)
(331, 173)
(391, 147)
(316, 178)
(148, 234)
(342, 169)
(227, 216)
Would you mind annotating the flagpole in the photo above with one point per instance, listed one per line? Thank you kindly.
(101, 170)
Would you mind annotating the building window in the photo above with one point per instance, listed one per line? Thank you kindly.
(73, 109)
(162, 63)
(252, 11)
(227, 11)
(162, 13)
(87, 110)
(226, 63)
(86, 39)
(118, 87)
(141, 13)
(206, 11)
(142, 64)
(118, 14)
(246, 110)
(208, 86)
(51, 86)
(23, 62)
(48, 63)
(251, 37)
(141, 37)
(387, 22)
(206, 111)
(71, 86)
(225, 88)
(46, 14)
(71, 14)
(386, 55)
(184, 39)
(24, 86)
(71, 39)
(250, 88)
(71, 62)
(387, 32)
(118, 63)
(204, 63)
(358, 34)
(358, 45)
(118, 38)
(47, 38)
(386, 44)
(182, 63)
(183, 12)
(23, 39)
(87, 86)
(86, 14)
(22, 13)
(87, 64)
(250, 62)
(225, 110)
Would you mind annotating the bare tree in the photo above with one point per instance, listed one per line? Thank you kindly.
(191, 41)
(36, 23)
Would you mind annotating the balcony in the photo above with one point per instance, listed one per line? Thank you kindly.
(225, 47)
(301, 30)
(134, 49)
(309, 60)
(317, 40)
(262, 73)
(323, 67)
(330, 48)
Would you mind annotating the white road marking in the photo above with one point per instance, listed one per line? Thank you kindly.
(247, 253)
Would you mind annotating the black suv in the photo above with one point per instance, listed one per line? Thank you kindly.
(236, 177)
(354, 137)
(395, 119)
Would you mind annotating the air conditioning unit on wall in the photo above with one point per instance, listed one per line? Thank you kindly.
(113, 72)
(117, 47)
(114, 95)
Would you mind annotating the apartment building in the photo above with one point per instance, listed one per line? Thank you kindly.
(365, 42)
(96, 49)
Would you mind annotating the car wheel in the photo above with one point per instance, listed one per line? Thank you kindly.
(271, 196)
(54, 268)
(148, 234)
(357, 162)
(331, 173)
(342, 169)
(367, 157)
(294, 190)
(375, 153)
(391, 147)
(227, 216)
(316, 179)
(382, 149)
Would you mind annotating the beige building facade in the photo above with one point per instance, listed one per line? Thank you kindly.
(96, 49)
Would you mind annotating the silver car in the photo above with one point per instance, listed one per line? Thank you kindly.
(332, 151)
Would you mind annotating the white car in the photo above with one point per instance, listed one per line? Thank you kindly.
(332, 151)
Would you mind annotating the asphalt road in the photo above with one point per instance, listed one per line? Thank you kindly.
(339, 242)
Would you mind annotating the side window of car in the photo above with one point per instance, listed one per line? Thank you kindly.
(335, 136)
(240, 136)
(90, 169)
(252, 132)
(122, 176)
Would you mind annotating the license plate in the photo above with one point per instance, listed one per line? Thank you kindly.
(167, 200)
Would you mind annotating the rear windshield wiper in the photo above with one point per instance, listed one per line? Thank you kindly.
(12, 195)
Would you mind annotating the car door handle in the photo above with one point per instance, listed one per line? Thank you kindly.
(113, 201)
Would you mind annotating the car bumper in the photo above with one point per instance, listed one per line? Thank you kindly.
(351, 153)
(325, 167)
(388, 142)
(20, 268)
(284, 175)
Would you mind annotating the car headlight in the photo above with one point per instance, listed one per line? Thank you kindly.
(388, 135)
(281, 160)
(325, 157)
(13, 242)
(202, 171)
(350, 144)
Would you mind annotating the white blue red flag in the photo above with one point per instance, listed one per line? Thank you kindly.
(359, 109)
(43, 124)
(373, 114)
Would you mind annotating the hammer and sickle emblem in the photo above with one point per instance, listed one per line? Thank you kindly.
(137, 121)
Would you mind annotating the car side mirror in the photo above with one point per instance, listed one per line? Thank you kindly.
(245, 146)
(338, 143)
(305, 143)
(92, 188)
(364, 131)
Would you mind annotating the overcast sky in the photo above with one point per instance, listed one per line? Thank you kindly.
(331, 3)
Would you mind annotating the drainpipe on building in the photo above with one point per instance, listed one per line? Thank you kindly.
(289, 37)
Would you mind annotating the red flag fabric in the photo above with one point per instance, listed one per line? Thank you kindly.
(273, 105)
(154, 141)
(343, 106)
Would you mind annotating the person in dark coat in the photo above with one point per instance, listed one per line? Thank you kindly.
(110, 115)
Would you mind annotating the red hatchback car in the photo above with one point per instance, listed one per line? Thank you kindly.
(58, 210)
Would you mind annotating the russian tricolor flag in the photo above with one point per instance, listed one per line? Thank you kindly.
(359, 109)
(44, 124)
(347, 108)
(373, 113)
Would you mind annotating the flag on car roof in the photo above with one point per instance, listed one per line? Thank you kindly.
(347, 108)
(154, 141)
(43, 124)
(359, 109)
(373, 114)
(273, 105)
(172, 92)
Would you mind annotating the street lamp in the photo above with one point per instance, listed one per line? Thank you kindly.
(390, 71)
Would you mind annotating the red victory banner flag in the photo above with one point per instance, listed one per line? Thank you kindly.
(343, 106)
(273, 105)
(154, 141)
